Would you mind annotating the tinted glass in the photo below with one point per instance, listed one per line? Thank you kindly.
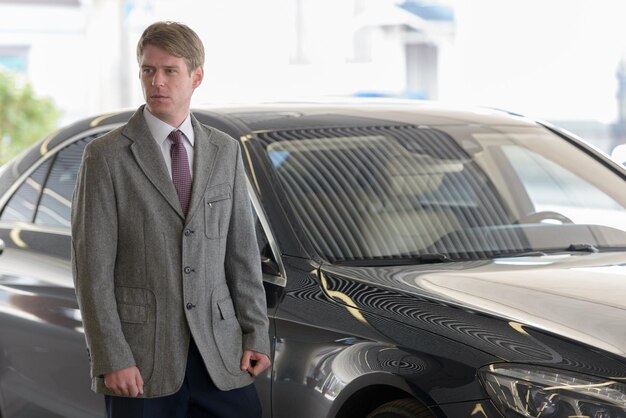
(463, 192)
(551, 187)
(55, 204)
(21, 206)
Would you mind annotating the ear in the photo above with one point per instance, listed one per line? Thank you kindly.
(196, 77)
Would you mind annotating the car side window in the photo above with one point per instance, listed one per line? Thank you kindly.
(56, 197)
(21, 206)
(551, 187)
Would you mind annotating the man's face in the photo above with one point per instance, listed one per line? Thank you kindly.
(167, 84)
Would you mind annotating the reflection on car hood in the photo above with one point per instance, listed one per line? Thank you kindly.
(582, 297)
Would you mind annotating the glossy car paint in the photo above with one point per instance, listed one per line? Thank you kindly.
(345, 339)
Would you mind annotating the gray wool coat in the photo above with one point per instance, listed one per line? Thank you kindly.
(147, 278)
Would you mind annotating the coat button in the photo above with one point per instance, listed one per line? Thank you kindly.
(188, 232)
(190, 306)
(187, 270)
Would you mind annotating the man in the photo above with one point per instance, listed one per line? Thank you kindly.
(166, 266)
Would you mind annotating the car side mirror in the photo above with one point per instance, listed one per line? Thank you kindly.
(269, 266)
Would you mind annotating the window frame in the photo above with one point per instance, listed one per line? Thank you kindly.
(37, 197)
(48, 155)
(281, 278)
(83, 141)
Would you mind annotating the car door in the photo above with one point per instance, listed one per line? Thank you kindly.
(44, 368)
(273, 282)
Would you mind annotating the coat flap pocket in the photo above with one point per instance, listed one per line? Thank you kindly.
(217, 193)
(135, 314)
(131, 295)
(213, 199)
(226, 308)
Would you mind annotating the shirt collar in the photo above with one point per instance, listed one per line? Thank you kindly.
(160, 130)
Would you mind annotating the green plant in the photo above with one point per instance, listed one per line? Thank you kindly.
(24, 118)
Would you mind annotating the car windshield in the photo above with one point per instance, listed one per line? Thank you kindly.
(447, 192)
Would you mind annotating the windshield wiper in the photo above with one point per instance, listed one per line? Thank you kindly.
(430, 258)
(520, 253)
(583, 247)
(434, 258)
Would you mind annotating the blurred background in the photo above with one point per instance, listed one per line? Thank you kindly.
(563, 61)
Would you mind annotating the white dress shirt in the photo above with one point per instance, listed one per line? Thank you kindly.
(160, 130)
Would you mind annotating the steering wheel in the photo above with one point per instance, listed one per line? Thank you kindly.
(537, 217)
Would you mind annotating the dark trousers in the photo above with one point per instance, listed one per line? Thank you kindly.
(197, 398)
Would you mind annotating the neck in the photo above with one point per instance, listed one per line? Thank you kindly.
(170, 119)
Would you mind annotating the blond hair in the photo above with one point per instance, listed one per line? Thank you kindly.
(176, 39)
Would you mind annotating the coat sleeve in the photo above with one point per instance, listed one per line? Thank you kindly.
(94, 247)
(243, 267)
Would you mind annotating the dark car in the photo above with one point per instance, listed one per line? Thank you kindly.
(419, 261)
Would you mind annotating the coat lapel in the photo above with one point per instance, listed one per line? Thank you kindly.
(150, 159)
(205, 155)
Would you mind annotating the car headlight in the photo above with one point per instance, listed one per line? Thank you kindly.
(540, 392)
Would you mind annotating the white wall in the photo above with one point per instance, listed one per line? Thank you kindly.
(84, 57)
(550, 59)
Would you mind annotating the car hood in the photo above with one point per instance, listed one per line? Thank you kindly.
(581, 297)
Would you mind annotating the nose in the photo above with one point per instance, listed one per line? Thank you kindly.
(158, 79)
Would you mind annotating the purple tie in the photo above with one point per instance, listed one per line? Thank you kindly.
(180, 169)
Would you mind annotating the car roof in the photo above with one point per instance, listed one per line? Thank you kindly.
(310, 114)
(243, 119)
(284, 115)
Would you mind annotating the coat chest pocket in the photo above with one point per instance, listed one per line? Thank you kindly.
(217, 207)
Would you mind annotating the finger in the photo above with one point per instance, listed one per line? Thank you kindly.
(260, 365)
(253, 371)
(117, 390)
(107, 382)
(133, 391)
(245, 360)
(139, 383)
(264, 363)
(124, 389)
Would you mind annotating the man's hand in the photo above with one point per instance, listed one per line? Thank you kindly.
(125, 382)
(254, 363)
